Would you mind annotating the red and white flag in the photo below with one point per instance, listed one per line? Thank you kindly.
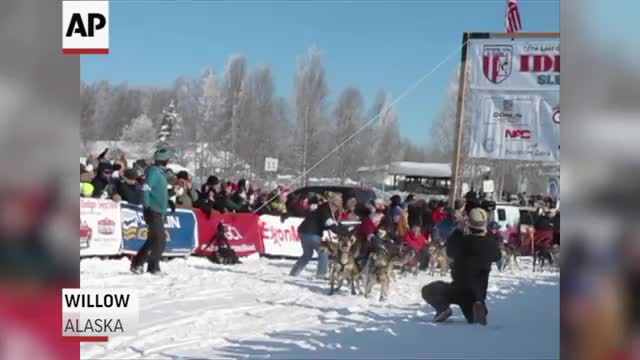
(512, 21)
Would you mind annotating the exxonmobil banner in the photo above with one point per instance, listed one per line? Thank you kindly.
(281, 238)
(241, 230)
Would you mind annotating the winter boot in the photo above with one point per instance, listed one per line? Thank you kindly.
(479, 313)
(443, 315)
(137, 269)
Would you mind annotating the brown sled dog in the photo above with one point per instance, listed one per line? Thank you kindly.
(380, 268)
(343, 264)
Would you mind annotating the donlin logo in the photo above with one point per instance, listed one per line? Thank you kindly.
(85, 27)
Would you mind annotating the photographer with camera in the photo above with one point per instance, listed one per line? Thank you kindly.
(473, 253)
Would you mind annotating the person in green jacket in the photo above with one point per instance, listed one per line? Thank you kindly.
(156, 200)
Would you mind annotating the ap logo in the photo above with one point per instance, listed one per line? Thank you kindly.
(85, 27)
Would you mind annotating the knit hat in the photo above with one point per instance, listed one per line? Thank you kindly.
(184, 175)
(131, 174)
(213, 180)
(397, 211)
(163, 154)
(104, 166)
(478, 219)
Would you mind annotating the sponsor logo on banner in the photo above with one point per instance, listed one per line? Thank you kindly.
(106, 226)
(522, 134)
(542, 63)
(134, 226)
(85, 235)
(507, 113)
(241, 231)
(100, 228)
(179, 228)
(489, 145)
(556, 115)
(232, 233)
(497, 62)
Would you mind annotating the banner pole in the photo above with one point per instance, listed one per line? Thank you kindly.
(462, 87)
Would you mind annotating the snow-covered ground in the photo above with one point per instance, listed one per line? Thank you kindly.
(202, 310)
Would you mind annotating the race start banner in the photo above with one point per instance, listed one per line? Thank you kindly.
(100, 230)
(515, 99)
(180, 228)
(241, 231)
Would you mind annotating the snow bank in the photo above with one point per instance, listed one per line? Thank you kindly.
(202, 310)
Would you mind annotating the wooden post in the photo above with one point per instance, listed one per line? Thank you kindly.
(462, 87)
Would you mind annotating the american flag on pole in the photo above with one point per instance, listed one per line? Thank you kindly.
(512, 21)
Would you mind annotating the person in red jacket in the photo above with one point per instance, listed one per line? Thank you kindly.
(415, 239)
(418, 242)
(439, 213)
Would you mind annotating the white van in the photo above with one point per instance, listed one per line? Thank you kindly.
(507, 215)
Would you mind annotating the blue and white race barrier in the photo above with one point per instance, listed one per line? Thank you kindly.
(180, 227)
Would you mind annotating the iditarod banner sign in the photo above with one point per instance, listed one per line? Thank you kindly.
(515, 99)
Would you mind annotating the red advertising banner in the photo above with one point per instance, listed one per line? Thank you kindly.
(241, 230)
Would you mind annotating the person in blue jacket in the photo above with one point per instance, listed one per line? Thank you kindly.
(155, 203)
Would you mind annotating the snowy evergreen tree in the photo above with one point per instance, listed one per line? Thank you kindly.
(170, 131)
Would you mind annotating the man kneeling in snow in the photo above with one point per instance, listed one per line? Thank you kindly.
(473, 254)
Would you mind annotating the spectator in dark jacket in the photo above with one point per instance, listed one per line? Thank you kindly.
(415, 210)
(211, 196)
(186, 195)
(473, 255)
(103, 186)
(240, 197)
(311, 230)
(129, 189)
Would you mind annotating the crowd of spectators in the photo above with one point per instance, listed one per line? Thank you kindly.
(120, 180)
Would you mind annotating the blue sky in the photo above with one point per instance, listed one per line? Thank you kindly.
(369, 45)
